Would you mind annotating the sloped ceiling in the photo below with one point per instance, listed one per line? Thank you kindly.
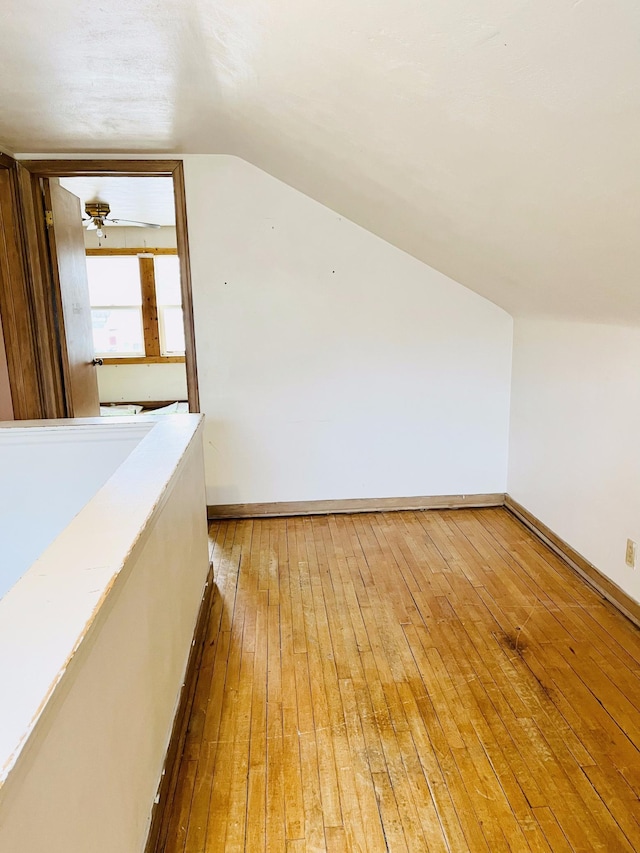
(496, 140)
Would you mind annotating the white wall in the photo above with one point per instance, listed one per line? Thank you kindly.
(46, 480)
(130, 383)
(119, 237)
(331, 364)
(575, 437)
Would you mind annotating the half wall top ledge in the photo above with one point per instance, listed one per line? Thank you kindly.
(495, 141)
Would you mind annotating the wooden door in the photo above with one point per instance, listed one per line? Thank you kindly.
(19, 334)
(69, 273)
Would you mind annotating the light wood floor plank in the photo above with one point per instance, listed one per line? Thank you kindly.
(416, 681)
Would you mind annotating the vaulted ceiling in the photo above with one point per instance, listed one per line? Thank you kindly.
(496, 140)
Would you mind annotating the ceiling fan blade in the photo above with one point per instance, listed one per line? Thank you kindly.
(89, 224)
(131, 222)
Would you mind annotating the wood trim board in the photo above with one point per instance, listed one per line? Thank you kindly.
(144, 359)
(96, 253)
(16, 303)
(160, 812)
(44, 312)
(329, 507)
(150, 326)
(593, 576)
(86, 168)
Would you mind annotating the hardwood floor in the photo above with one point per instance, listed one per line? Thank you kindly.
(425, 681)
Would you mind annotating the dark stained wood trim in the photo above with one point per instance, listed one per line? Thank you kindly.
(132, 359)
(6, 162)
(289, 508)
(182, 240)
(168, 781)
(96, 253)
(150, 325)
(89, 167)
(20, 336)
(45, 317)
(593, 576)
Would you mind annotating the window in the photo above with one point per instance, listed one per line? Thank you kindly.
(169, 301)
(116, 305)
(136, 306)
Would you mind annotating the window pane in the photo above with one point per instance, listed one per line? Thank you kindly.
(171, 331)
(167, 268)
(117, 331)
(114, 280)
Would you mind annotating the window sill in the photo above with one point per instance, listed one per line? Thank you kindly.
(144, 359)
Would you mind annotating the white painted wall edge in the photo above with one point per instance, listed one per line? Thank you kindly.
(64, 589)
(60, 432)
(91, 767)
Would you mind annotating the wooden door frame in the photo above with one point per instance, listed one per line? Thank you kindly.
(31, 358)
(173, 169)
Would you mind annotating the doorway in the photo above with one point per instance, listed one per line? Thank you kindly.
(135, 300)
(123, 316)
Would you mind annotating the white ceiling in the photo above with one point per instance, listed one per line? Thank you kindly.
(146, 199)
(497, 140)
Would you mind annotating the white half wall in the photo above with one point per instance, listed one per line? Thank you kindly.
(575, 437)
(331, 364)
(60, 470)
(94, 642)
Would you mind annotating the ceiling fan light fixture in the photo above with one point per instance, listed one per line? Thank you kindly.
(97, 209)
(98, 217)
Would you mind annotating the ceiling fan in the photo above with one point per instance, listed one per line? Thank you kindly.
(98, 216)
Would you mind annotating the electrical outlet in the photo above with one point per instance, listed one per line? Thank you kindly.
(630, 558)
